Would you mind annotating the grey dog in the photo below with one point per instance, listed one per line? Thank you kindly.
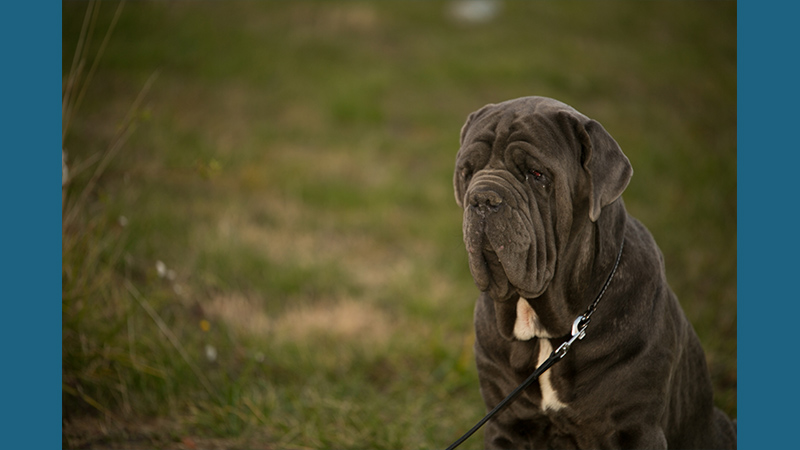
(544, 226)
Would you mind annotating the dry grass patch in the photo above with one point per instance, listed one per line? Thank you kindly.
(345, 319)
(367, 261)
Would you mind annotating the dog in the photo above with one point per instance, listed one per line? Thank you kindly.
(544, 227)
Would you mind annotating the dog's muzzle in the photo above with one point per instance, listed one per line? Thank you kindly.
(505, 238)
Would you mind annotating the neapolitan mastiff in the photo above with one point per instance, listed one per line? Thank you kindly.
(544, 224)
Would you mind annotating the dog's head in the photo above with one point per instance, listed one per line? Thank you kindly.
(529, 171)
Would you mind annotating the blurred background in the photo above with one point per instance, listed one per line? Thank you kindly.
(261, 248)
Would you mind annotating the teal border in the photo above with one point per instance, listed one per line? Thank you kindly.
(767, 206)
(30, 225)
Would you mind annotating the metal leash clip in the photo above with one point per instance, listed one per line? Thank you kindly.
(577, 333)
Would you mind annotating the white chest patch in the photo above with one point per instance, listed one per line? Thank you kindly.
(550, 399)
(528, 326)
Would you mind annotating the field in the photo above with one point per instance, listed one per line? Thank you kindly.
(261, 248)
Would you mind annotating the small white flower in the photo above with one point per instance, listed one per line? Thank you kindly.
(161, 268)
(211, 353)
(123, 221)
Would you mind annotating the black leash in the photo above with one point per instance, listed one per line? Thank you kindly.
(578, 332)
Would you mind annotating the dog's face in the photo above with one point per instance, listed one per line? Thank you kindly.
(529, 171)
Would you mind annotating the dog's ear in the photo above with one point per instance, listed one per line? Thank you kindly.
(459, 187)
(471, 119)
(607, 168)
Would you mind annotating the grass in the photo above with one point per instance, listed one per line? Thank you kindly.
(290, 164)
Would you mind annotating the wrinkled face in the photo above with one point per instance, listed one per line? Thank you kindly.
(524, 177)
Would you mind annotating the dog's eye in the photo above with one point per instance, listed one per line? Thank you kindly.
(538, 176)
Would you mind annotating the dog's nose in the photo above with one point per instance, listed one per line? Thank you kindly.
(485, 198)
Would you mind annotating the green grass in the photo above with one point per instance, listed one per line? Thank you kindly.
(290, 163)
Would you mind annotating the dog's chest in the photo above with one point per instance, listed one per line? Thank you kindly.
(550, 401)
(526, 327)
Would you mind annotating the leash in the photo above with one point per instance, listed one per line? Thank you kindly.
(578, 332)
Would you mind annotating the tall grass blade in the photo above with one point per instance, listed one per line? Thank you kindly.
(172, 338)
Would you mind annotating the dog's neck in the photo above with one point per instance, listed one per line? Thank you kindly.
(595, 254)
(593, 248)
